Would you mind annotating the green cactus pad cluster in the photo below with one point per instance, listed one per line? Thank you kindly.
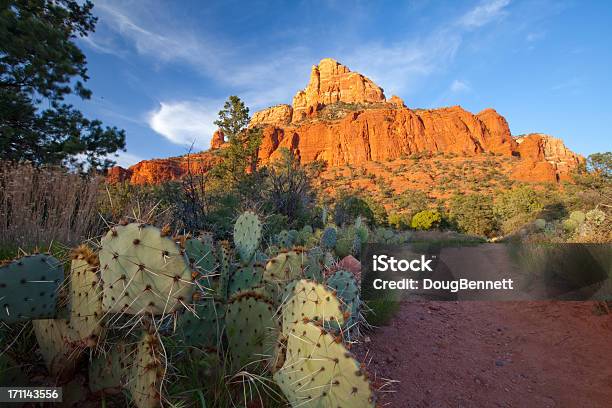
(143, 271)
(108, 372)
(247, 235)
(347, 289)
(204, 329)
(147, 372)
(318, 371)
(86, 310)
(329, 238)
(306, 300)
(245, 278)
(29, 288)
(252, 330)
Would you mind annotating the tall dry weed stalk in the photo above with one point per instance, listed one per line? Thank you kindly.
(41, 205)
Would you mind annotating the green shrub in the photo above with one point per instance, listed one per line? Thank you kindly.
(578, 216)
(398, 221)
(473, 213)
(426, 220)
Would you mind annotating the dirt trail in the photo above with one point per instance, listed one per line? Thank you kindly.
(494, 354)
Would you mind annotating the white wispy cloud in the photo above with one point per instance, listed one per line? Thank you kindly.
(484, 13)
(458, 86)
(125, 159)
(185, 122)
(266, 78)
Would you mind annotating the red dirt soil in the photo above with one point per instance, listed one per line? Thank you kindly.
(493, 354)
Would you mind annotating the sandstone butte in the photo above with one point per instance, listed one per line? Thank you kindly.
(342, 117)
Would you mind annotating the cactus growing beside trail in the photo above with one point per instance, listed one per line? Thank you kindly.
(318, 371)
(144, 299)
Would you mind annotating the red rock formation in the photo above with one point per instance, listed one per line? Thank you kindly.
(390, 133)
(342, 117)
(332, 82)
(276, 115)
(217, 140)
(545, 158)
(396, 100)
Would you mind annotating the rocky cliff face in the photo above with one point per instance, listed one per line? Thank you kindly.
(332, 82)
(343, 118)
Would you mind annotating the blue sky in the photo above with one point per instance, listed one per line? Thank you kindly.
(161, 70)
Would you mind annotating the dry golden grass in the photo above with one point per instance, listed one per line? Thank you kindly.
(38, 206)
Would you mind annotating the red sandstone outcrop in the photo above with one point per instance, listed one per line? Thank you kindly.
(365, 127)
(545, 158)
(276, 115)
(397, 101)
(332, 82)
(218, 140)
(389, 133)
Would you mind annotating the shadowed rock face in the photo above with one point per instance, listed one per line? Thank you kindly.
(342, 117)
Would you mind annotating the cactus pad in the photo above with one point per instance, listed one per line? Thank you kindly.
(247, 235)
(329, 237)
(143, 271)
(147, 372)
(86, 309)
(285, 267)
(58, 345)
(319, 372)
(205, 329)
(306, 300)
(252, 330)
(347, 290)
(284, 239)
(200, 253)
(110, 371)
(28, 288)
(245, 278)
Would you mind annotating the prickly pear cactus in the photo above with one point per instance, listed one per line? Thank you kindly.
(285, 267)
(28, 288)
(147, 372)
(252, 330)
(245, 278)
(347, 290)
(306, 300)
(329, 238)
(329, 260)
(225, 256)
(109, 371)
(59, 346)
(85, 306)
(344, 245)
(247, 235)
(319, 372)
(204, 328)
(200, 253)
(314, 261)
(143, 271)
(284, 239)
